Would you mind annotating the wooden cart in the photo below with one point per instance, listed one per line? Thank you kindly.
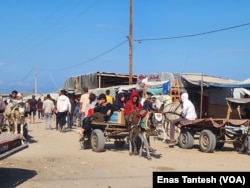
(102, 133)
(10, 144)
(214, 133)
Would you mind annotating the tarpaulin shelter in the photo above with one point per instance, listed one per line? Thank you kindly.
(96, 80)
(214, 91)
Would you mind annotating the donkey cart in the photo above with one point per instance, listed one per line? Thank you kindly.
(214, 133)
(102, 133)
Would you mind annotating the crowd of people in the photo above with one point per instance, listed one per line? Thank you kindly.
(90, 107)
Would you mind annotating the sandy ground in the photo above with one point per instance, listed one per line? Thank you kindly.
(55, 159)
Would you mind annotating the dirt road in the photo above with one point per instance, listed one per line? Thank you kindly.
(55, 159)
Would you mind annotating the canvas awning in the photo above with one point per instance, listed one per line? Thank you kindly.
(211, 81)
(239, 100)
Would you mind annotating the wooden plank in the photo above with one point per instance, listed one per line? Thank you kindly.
(107, 124)
(115, 129)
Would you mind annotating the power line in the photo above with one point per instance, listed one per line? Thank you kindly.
(88, 61)
(194, 35)
(140, 40)
(23, 79)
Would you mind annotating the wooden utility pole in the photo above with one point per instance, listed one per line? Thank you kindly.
(201, 99)
(131, 43)
(35, 89)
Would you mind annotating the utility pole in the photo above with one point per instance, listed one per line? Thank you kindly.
(35, 80)
(131, 43)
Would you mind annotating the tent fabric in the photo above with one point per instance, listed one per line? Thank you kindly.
(166, 88)
(154, 78)
(155, 91)
(208, 81)
(113, 89)
(77, 83)
(239, 100)
(93, 81)
(240, 92)
(69, 84)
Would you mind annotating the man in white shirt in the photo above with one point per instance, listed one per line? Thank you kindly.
(63, 108)
(48, 106)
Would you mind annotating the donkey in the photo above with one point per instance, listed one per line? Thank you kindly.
(14, 117)
(139, 126)
(161, 118)
(171, 112)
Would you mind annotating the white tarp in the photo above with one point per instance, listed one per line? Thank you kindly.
(240, 92)
(208, 81)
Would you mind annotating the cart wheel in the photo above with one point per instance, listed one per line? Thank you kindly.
(185, 139)
(242, 144)
(97, 140)
(219, 145)
(119, 144)
(207, 141)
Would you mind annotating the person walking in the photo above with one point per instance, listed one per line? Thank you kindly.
(48, 107)
(70, 115)
(77, 116)
(83, 101)
(63, 108)
(40, 108)
(33, 107)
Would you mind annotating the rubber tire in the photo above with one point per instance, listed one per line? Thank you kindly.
(97, 140)
(207, 141)
(185, 139)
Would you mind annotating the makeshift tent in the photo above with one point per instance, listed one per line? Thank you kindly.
(96, 80)
(214, 91)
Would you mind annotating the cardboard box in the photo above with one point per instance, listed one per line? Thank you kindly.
(117, 117)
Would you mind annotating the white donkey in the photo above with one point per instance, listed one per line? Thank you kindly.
(159, 119)
(168, 112)
(14, 117)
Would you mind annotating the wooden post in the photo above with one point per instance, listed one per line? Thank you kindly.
(229, 110)
(201, 99)
(130, 82)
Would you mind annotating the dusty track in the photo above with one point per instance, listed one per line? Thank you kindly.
(55, 159)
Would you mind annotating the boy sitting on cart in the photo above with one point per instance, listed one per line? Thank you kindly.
(101, 113)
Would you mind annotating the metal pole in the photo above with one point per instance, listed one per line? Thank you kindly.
(131, 44)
